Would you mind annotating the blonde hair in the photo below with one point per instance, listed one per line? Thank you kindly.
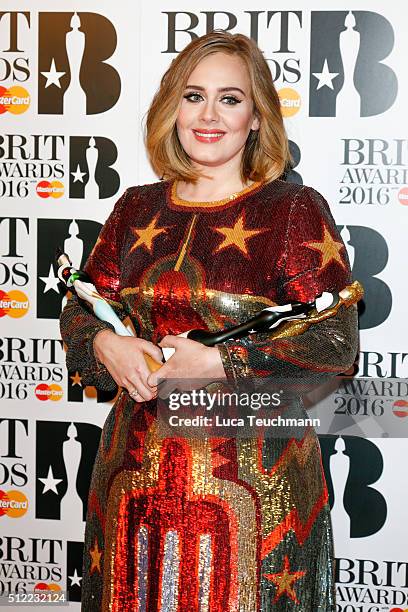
(266, 154)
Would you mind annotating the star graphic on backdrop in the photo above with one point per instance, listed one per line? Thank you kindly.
(237, 236)
(75, 579)
(51, 281)
(284, 581)
(146, 235)
(50, 483)
(53, 76)
(96, 555)
(76, 379)
(325, 77)
(78, 175)
(328, 248)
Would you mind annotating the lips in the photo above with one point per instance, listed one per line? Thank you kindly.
(208, 135)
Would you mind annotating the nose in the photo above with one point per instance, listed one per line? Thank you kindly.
(209, 111)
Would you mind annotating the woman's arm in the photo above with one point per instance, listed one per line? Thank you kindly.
(314, 260)
(78, 324)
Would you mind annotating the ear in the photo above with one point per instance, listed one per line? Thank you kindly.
(255, 123)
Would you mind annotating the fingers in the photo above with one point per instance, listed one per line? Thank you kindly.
(169, 341)
(125, 359)
(154, 377)
(152, 350)
(139, 392)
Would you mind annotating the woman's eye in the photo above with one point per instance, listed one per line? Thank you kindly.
(232, 100)
(196, 97)
(191, 96)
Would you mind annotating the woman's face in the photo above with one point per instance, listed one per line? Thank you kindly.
(216, 112)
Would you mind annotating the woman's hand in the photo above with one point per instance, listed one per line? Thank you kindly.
(123, 357)
(191, 360)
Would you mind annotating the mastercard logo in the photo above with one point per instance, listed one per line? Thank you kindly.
(14, 303)
(400, 409)
(43, 586)
(13, 504)
(403, 196)
(50, 189)
(45, 392)
(399, 610)
(290, 101)
(15, 100)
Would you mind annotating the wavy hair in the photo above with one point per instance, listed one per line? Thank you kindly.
(266, 154)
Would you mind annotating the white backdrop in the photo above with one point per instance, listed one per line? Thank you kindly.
(343, 85)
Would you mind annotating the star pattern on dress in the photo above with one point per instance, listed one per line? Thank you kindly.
(284, 580)
(96, 555)
(236, 236)
(76, 379)
(328, 248)
(146, 235)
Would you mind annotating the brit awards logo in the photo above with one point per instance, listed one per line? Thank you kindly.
(374, 171)
(90, 167)
(352, 465)
(75, 237)
(348, 74)
(36, 164)
(65, 454)
(74, 73)
(368, 254)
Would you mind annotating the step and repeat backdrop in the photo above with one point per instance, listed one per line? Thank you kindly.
(75, 84)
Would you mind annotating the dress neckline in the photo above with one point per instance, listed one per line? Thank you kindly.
(175, 202)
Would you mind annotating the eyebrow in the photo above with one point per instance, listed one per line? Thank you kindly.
(220, 89)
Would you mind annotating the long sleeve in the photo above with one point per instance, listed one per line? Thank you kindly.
(78, 323)
(314, 260)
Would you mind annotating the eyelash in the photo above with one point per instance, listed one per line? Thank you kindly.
(236, 101)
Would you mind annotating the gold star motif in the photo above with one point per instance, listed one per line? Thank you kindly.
(96, 555)
(284, 581)
(146, 235)
(76, 379)
(328, 248)
(237, 236)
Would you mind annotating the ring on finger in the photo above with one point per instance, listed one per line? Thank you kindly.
(134, 393)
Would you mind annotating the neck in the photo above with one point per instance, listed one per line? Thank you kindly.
(219, 182)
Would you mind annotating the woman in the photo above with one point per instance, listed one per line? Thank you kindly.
(209, 524)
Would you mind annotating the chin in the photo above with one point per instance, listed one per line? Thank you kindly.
(209, 158)
(208, 161)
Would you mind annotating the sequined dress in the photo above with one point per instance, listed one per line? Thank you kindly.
(212, 524)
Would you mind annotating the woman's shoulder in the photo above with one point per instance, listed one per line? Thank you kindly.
(293, 191)
(147, 189)
(291, 196)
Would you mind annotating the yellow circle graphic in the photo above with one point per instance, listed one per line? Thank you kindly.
(19, 100)
(18, 304)
(290, 101)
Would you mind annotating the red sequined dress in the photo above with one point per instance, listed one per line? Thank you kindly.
(211, 524)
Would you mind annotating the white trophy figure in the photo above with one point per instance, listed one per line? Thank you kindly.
(74, 96)
(71, 503)
(91, 187)
(75, 247)
(348, 102)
